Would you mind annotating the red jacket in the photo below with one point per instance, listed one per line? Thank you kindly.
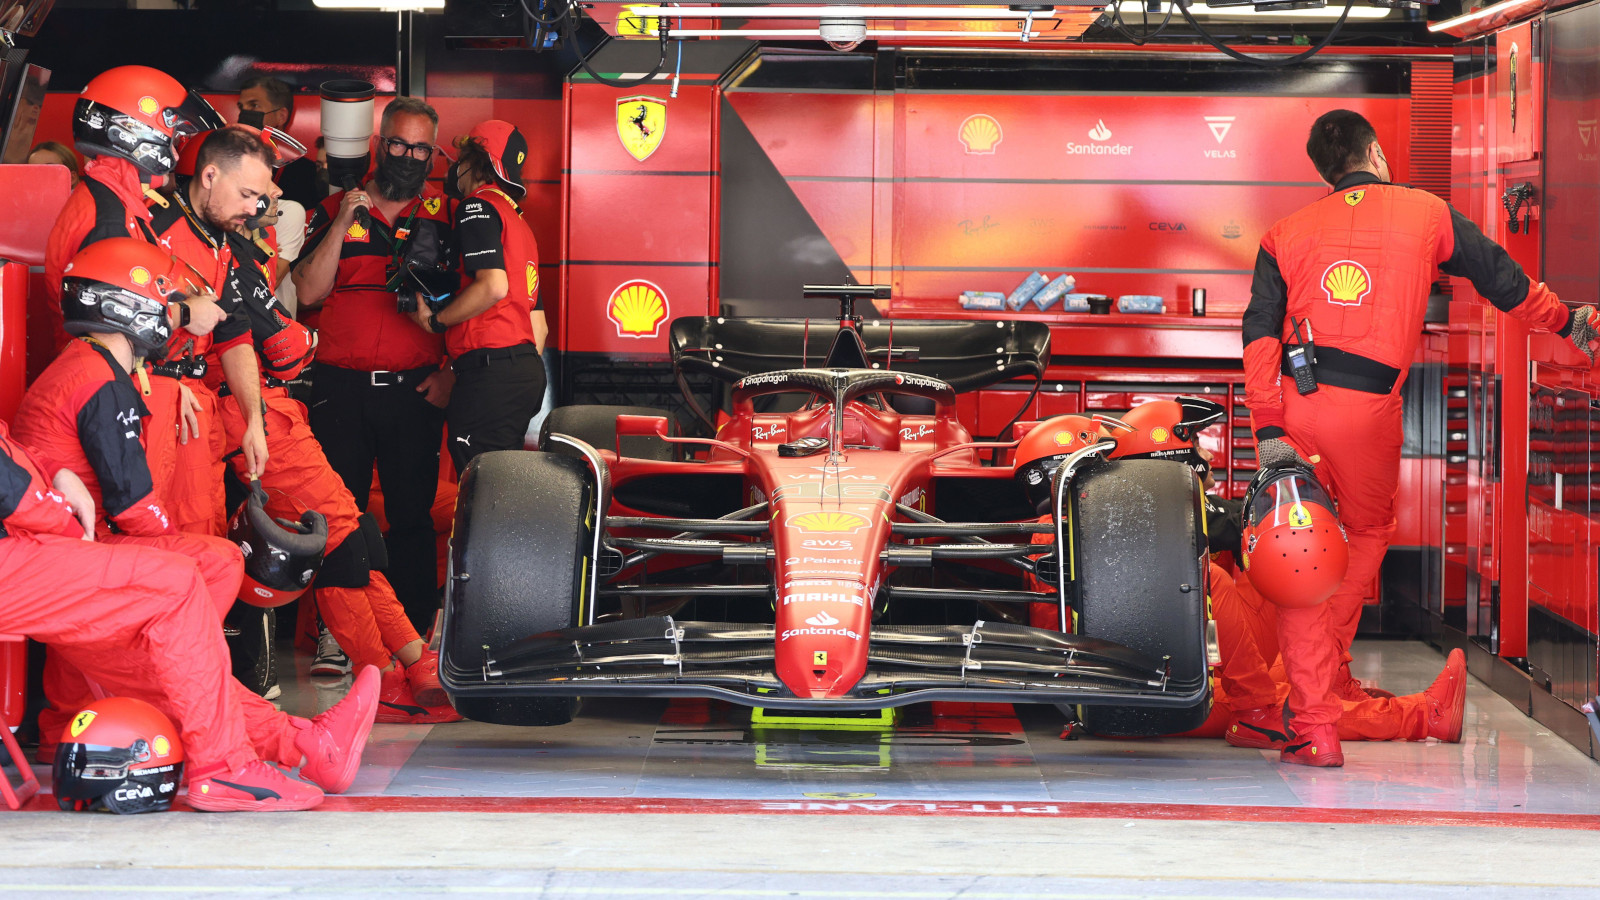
(1355, 269)
(28, 504)
(85, 414)
(180, 233)
(108, 202)
(360, 325)
(490, 234)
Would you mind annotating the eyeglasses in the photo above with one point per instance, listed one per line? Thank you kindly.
(396, 147)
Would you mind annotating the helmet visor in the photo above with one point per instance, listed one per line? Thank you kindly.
(1285, 500)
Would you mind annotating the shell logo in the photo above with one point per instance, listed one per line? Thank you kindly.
(1346, 282)
(1299, 517)
(533, 280)
(1063, 438)
(162, 746)
(139, 275)
(1354, 197)
(980, 135)
(1159, 435)
(830, 522)
(149, 106)
(356, 232)
(638, 309)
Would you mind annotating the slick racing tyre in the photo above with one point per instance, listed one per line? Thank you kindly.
(1140, 546)
(518, 558)
(597, 426)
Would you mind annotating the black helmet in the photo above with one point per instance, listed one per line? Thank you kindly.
(118, 754)
(280, 556)
(122, 285)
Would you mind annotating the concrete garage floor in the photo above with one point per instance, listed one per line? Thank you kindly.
(637, 799)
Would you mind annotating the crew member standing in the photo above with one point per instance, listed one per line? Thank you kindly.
(1350, 275)
(379, 392)
(494, 327)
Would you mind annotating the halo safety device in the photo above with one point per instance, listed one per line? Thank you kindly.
(281, 556)
(1294, 548)
(118, 754)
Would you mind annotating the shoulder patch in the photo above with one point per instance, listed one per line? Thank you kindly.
(1351, 198)
(432, 205)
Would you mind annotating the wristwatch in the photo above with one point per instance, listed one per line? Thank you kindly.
(183, 314)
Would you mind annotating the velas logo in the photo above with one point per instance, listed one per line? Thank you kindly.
(1351, 198)
(149, 106)
(1346, 282)
(139, 275)
(638, 308)
(1100, 132)
(1586, 131)
(980, 135)
(82, 721)
(533, 280)
(831, 522)
(641, 125)
(1220, 126)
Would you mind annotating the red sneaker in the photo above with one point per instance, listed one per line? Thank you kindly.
(253, 787)
(423, 676)
(332, 742)
(1261, 728)
(1447, 699)
(1319, 746)
(397, 705)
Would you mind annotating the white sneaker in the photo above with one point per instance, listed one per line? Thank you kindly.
(330, 659)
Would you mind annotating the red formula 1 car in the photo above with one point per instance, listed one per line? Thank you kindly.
(842, 543)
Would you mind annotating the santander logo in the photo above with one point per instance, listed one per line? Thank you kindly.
(822, 620)
(1100, 132)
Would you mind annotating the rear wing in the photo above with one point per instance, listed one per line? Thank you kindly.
(965, 355)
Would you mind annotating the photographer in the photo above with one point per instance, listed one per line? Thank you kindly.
(379, 394)
(494, 327)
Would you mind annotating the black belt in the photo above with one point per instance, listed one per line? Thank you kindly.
(1347, 370)
(266, 381)
(477, 359)
(186, 367)
(328, 372)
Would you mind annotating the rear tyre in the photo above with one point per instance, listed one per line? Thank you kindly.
(597, 426)
(1141, 582)
(518, 557)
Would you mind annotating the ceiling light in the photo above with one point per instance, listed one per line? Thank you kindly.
(833, 12)
(382, 5)
(1486, 19)
(1136, 8)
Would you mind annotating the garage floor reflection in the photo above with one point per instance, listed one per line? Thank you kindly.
(1506, 761)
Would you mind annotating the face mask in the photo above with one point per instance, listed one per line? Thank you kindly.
(255, 118)
(401, 177)
(452, 183)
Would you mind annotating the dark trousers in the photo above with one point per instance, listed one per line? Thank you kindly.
(497, 392)
(391, 426)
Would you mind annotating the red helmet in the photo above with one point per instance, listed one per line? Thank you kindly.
(124, 285)
(507, 150)
(1043, 449)
(119, 754)
(280, 556)
(285, 149)
(1294, 548)
(135, 112)
(1168, 429)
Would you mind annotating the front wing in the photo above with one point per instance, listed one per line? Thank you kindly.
(663, 657)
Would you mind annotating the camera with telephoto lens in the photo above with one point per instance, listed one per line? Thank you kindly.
(415, 284)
